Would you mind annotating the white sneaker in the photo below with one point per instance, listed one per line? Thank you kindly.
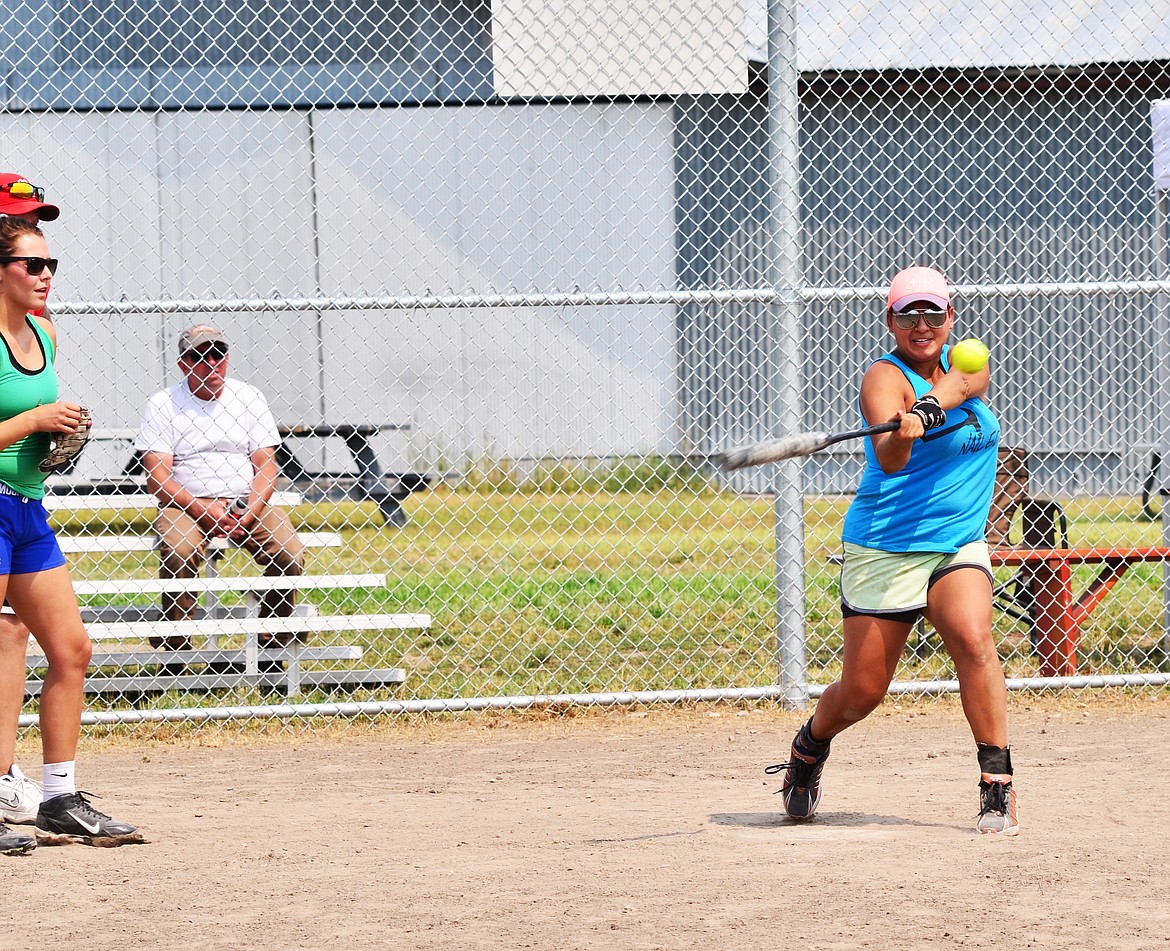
(20, 797)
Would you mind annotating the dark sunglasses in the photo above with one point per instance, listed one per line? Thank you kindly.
(908, 319)
(34, 265)
(212, 353)
(25, 191)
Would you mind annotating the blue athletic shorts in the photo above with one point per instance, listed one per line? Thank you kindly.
(27, 543)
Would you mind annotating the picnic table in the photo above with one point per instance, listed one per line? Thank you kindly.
(1057, 610)
(369, 482)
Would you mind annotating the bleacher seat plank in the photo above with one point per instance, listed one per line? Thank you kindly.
(136, 500)
(118, 544)
(97, 614)
(324, 623)
(370, 678)
(146, 658)
(130, 586)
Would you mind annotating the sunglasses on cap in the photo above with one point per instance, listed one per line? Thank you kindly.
(908, 319)
(35, 265)
(25, 191)
(206, 354)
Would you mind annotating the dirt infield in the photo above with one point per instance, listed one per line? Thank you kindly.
(618, 831)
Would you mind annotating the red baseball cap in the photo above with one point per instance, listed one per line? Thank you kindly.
(28, 198)
(919, 284)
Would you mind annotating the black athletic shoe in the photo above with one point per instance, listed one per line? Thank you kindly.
(15, 843)
(801, 788)
(70, 818)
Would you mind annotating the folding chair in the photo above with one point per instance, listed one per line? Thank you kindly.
(1043, 525)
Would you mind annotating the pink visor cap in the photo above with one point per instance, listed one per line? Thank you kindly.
(919, 284)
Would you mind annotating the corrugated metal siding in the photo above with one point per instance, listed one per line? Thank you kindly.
(83, 54)
(390, 190)
(721, 188)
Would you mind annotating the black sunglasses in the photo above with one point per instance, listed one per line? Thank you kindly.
(25, 191)
(908, 319)
(215, 351)
(35, 265)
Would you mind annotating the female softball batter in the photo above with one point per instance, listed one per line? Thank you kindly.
(914, 546)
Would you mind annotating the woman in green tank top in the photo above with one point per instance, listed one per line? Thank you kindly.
(33, 573)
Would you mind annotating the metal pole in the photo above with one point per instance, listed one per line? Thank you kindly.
(319, 317)
(1162, 427)
(806, 295)
(784, 369)
(1160, 138)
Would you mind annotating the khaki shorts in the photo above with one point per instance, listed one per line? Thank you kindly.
(894, 582)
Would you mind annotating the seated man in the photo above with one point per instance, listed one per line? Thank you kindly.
(209, 443)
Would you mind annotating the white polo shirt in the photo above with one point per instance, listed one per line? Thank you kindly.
(211, 441)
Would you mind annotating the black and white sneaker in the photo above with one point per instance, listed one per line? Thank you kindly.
(999, 813)
(70, 818)
(801, 789)
(15, 843)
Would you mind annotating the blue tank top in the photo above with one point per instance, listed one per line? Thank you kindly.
(940, 499)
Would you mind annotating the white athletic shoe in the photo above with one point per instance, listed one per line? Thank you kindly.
(20, 797)
(998, 812)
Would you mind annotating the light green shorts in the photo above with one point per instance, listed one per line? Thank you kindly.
(894, 582)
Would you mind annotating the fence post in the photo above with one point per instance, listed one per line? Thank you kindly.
(1160, 136)
(783, 161)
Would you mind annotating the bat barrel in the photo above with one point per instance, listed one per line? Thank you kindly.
(776, 450)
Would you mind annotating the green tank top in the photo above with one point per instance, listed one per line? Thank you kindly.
(20, 391)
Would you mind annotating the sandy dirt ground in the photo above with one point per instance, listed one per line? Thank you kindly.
(622, 831)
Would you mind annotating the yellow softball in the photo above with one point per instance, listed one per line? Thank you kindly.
(969, 355)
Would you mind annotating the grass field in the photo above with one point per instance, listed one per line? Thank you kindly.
(670, 587)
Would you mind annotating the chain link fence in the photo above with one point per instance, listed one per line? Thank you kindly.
(509, 274)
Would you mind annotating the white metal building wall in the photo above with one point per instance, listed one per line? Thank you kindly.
(283, 204)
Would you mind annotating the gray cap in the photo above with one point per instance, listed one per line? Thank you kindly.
(198, 336)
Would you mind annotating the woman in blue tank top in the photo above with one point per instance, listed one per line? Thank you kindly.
(914, 546)
(33, 573)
